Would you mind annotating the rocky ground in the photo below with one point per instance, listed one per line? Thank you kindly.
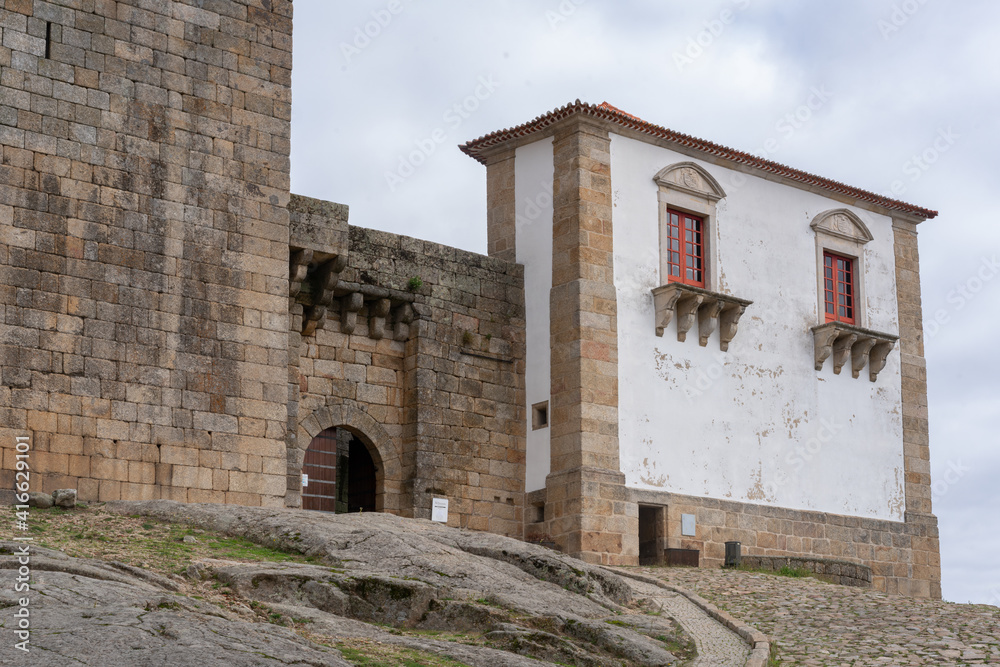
(813, 623)
(161, 583)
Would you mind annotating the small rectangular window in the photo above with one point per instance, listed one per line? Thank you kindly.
(536, 513)
(838, 288)
(539, 415)
(685, 248)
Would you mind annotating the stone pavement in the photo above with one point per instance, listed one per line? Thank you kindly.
(817, 624)
(718, 646)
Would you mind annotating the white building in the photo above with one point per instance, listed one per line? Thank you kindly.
(718, 348)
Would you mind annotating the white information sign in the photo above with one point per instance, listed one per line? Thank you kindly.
(439, 510)
(687, 525)
(305, 480)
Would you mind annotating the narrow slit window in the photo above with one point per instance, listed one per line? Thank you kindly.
(48, 40)
(539, 415)
(838, 288)
(685, 248)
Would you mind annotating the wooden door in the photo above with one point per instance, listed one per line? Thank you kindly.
(320, 468)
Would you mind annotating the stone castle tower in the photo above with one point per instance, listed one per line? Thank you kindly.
(177, 325)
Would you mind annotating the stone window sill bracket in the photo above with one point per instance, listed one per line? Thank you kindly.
(861, 346)
(687, 303)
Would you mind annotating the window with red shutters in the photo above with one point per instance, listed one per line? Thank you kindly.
(838, 288)
(685, 248)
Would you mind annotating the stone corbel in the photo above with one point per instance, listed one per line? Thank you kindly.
(842, 350)
(298, 266)
(708, 316)
(846, 341)
(687, 310)
(324, 282)
(877, 358)
(685, 303)
(376, 321)
(350, 304)
(403, 318)
(823, 342)
(664, 303)
(859, 355)
(313, 318)
(729, 322)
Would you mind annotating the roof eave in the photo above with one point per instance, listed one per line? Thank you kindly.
(484, 147)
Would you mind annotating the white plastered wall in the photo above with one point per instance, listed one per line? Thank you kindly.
(757, 423)
(533, 172)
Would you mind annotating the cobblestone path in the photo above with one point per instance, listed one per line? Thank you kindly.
(717, 645)
(818, 624)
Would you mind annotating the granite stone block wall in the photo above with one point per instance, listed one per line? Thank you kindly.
(902, 556)
(428, 369)
(144, 174)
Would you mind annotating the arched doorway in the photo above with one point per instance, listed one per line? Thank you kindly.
(338, 473)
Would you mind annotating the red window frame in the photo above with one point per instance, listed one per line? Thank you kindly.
(839, 288)
(685, 248)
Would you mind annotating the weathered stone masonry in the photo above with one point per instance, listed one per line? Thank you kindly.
(431, 375)
(174, 324)
(144, 179)
(170, 331)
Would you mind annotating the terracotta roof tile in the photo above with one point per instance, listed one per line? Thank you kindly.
(605, 111)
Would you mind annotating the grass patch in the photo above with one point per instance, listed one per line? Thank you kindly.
(785, 571)
(139, 541)
(682, 647)
(367, 653)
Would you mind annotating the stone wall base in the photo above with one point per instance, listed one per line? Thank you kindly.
(845, 573)
(588, 515)
(904, 556)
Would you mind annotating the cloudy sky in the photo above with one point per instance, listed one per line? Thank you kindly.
(904, 94)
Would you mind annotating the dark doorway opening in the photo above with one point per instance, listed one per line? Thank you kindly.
(339, 474)
(361, 479)
(652, 534)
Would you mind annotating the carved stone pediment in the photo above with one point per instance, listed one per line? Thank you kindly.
(688, 304)
(690, 178)
(846, 342)
(842, 223)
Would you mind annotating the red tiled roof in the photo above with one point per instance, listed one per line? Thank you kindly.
(476, 147)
